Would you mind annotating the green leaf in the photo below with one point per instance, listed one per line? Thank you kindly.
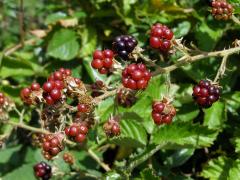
(6, 154)
(222, 168)
(63, 45)
(22, 173)
(14, 66)
(104, 109)
(215, 116)
(157, 87)
(54, 17)
(148, 174)
(237, 144)
(183, 134)
(206, 34)
(89, 41)
(182, 29)
(132, 134)
(179, 157)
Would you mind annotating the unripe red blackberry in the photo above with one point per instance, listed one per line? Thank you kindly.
(102, 61)
(160, 37)
(77, 132)
(206, 93)
(52, 145)
(136, 76)
(163, 112)
(126, 98)
(123, 45)
(112, 127)
(42, 170)
(221, 10)
(83, 108)
(68, 158)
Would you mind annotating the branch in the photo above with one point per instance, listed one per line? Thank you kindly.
(38, 130)
(191, 59)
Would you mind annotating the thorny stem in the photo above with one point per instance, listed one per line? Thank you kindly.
(221, 70)
(191, 59)
(38, 130)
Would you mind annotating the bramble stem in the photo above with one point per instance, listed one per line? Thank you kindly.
(221, 69)
(38, 130)
(191, 59)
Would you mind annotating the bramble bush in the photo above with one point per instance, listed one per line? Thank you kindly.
(105, 89)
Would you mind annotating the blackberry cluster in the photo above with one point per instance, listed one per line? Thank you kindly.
(97, 88)
(205, 93)
(135, 76)
(221, 10)
(102, 61)
(52, 145)
(77, 132)
(43, 170)
(68, 158)
(163, 112)
(161, 37)
(26, 93)
(125, 97)
(52, 89)
(112, 127)
(123, 45)
(2, 99)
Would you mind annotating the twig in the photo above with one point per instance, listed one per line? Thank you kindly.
(235, 19)
(30, 128)
(38, 130)
(221, 69)
(192, 59)
(96, 158)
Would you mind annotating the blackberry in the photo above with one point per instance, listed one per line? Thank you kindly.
(160, 37)
(136, 76)
(43, 170)
(205, 93)
(221, 10)
(123, 45)
(163, 112)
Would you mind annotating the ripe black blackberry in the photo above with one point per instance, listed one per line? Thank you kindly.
(43, 170)
(205, 93)
(123, 45)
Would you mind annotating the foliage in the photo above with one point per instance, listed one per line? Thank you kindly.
(198, 144)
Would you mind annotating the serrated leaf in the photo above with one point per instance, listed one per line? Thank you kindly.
(215, 116)
(132, 134)
(222, 168)
(182, 29)
(183, 134)
(63, 45)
